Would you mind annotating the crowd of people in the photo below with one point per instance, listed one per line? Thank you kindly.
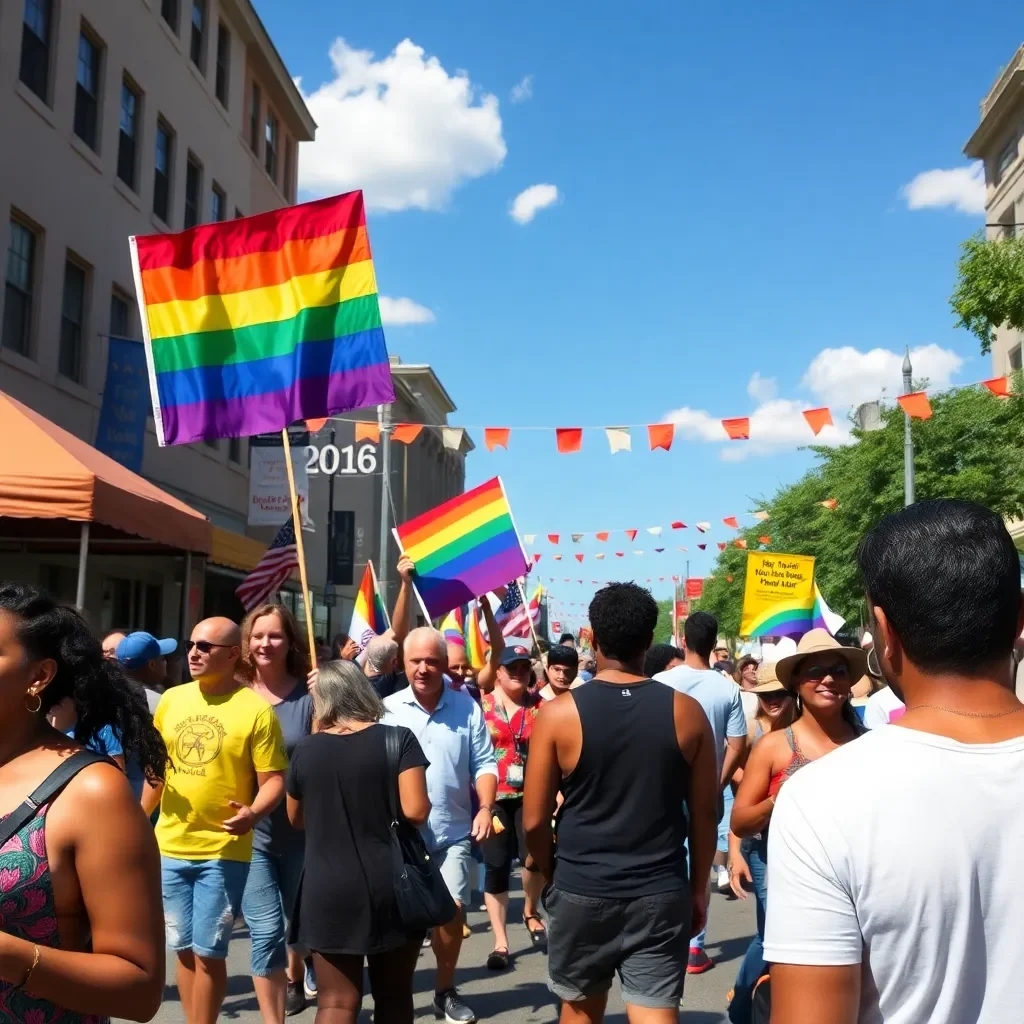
(139, 813)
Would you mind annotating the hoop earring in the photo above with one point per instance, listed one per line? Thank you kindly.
(39, 703)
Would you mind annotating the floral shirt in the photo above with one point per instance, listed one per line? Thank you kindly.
(511, 737)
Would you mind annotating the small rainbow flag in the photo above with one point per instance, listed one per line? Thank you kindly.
(452, 628)
(463, 548)
(476, 646)
(369, 619)
(255, 323)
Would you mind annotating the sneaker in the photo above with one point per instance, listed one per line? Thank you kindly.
(309, 981)
(295, 1001)
(449, 1007)
(698, 962)
(723, 880)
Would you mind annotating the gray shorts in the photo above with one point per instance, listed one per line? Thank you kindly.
(456, 862)
(645, 941)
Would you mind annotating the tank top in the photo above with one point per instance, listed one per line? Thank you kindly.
(622, 827)
(795, 763)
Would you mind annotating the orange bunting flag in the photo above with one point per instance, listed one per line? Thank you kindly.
(553, 537)
(496, 437)
(765, 540)
(999, 386)
(740, 543)
(660, 435)
(738, 429)
(722, 545)
(602, 536)
(916, 406)
(728, 579)
(536, 559)
(731, 521)
(818, 419)
(829, 503)
(569, 439)
(368, 432)
(406, 433)
(631, 534)
(579, 558)
(677, 525)
(315, 426)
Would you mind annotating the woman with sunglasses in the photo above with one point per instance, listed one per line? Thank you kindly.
(817, 680)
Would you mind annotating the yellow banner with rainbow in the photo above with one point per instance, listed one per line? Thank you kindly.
(778, 597)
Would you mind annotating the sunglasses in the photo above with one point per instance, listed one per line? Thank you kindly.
(816, 673)
(776, 696)
(203, 646)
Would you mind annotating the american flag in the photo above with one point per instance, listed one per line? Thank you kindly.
(512, 616)
(273, 569)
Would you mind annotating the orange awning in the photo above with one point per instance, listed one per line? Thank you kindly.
(47, 473)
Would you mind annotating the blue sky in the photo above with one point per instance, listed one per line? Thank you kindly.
(730, 182)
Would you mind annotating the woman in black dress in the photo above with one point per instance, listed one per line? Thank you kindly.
(338, 786)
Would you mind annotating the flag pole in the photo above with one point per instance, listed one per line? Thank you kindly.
(299, 548)
(533, 629)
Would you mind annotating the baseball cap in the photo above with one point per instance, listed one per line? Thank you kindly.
(514, 653)
(137, 649)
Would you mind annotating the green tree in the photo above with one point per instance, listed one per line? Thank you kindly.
(972, 448)
(990, 287)
(663, 630)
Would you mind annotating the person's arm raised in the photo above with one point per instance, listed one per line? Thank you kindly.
(401, 617)
(485, 679)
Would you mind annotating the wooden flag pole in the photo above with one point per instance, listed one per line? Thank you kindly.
(299, 548)
(533, 629)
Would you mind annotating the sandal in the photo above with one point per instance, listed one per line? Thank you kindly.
(498, 960)
(538, 936)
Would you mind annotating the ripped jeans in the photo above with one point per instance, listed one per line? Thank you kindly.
(201, 901)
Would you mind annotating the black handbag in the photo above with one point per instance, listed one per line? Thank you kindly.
(421, 896)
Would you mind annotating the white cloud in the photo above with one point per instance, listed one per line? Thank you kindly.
(401, 128)
(846, 376)
(525, 205)
(963, 188)
(522, 90)
(401, 312)
(762, 389)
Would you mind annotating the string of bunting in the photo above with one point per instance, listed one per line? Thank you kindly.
(660, 436)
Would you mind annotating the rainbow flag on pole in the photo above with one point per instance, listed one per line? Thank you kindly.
(476, 646)
(463, 548)
(253, 324)
(452, 628)
(369, 619)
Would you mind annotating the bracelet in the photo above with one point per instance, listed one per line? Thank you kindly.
(35, 964)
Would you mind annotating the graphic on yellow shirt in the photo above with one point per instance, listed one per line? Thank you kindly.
(216, 744)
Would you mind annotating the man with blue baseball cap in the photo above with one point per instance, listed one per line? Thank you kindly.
(144, 659)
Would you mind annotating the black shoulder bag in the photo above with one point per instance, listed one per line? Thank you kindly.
(421, 896)
(46, 791)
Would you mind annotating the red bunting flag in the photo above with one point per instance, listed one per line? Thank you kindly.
(631, 534)
(660, 435)
(738, 429)
(999, 386)
(602, 536)
(579, 558)
(818, 419)
(829, 503)
(740, 543)
(916, 406)
(536, 559)
(731, 521)
(496, 437)
(569, 439)
(553, 537)
(765, 540)
(315, 426)
(406, 433)
(620, 554)
(677, 525)
(722, 545)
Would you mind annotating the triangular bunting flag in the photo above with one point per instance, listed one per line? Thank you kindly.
(569, 439)
(529, 538)
(496, 437)
(315, 426)
(738, 429)
(761, 515)
(557, 558)
(406, 433)
(631, 534)
(740, 543)
(618, 439)
(367, 432)
(620, 554)
(731, 521)
(722, 545)
(659, 550)
(451, 437)
(678, 525)
(576, 537)
(999, 386)
(703, 547)
(602, 536)
(600, 554)
(579, 558)
(916, 406)
(553, 537)
(637, 552)
(536, 559)
(829, 503)
(764, 540)
(818, 419)
(703, 527)
(660, 435)
(682, 549)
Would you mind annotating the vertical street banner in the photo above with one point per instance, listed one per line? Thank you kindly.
(121, 432)
(269, 497)
(778, 597)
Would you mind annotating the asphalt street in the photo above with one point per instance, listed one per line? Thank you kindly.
(519, 996)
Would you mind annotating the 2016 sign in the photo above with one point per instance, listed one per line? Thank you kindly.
(344, 461)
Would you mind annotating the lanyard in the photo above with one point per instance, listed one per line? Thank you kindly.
(516, 737)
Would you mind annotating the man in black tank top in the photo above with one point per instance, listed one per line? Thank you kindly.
(635, 762)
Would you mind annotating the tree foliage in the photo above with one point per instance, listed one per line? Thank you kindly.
(663, 630)
(972, 447)
(990, 287)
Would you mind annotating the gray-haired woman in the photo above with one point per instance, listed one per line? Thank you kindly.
(338, 787)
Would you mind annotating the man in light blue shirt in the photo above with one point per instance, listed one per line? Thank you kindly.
(451, 730)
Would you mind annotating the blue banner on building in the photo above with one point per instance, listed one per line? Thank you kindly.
(126, 404)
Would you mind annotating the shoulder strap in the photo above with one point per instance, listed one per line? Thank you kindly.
(393, 747)
(46, 791)
(791, 740)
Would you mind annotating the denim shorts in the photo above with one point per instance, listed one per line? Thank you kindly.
(201, 902)
(456, 861)
(644, 940)
(267, 904)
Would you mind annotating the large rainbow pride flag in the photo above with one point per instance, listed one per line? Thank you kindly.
(463, 548)
(253, 324)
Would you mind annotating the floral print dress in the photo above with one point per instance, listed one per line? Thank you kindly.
(27, 911)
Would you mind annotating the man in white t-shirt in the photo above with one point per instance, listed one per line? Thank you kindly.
(883, 707)
(905, 907)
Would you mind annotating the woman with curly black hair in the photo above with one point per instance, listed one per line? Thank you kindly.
(81, 922)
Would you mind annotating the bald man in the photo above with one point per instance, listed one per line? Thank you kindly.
(228, 762)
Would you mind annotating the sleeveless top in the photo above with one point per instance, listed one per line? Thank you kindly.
(27, 912)
(795, 763)
(622, 827)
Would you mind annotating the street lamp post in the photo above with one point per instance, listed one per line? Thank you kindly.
(908, 437)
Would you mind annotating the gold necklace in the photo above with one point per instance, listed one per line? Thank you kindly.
(968, 714)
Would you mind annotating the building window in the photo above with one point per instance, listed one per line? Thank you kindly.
(218, 204)
(223, 63)
(128, 135)
(235, 450)
(120, 316)
(72, 321)
(87, 90)
(36, 29)
(169, 12)
(254, 119)
(198, 29)
(288, 158)
(162, 172)
(270, 152)
(1006, 159)
(1014, 359)
(21, 259)
(193, 190)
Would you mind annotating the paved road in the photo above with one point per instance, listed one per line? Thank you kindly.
(521, 995)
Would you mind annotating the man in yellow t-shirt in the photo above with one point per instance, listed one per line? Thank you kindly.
(227, 772)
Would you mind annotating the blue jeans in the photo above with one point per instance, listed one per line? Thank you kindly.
(756, 853)
(201, 901)
(267, 904)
